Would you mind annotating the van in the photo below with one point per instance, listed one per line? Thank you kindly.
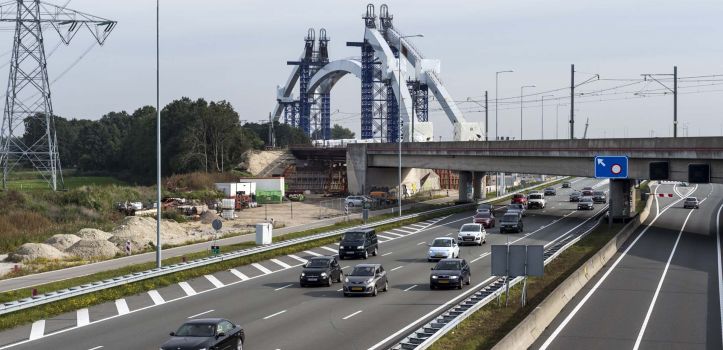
(358, 243)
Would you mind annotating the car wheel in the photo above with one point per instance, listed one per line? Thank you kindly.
(330, 282)
(240, 345)
(341, 277)
(374, 291)
(469, 280)
(376, 251)
(366, 254)
(386, 286)
(460, 285)
(346, 294)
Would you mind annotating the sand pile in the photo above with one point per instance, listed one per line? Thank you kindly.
(62, 242)
(141, 232)
(91, 233)
(32, 251)
(89, 249)
(208, 216)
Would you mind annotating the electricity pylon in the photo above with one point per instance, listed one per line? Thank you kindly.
(28, 130)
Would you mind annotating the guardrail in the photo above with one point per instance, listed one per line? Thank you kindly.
(49, 297)
(424, 336)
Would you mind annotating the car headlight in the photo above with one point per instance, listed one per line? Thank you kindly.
(369, 280)
(434, 277)
(341, 247)
(453, 277)
(303, 274)
(360, 247)
(346, 280)
(323, 274)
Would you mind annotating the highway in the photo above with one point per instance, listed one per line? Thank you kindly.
(277, 314)
(663, 288)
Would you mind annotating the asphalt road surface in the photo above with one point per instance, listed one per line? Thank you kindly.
(276, 313)
(661, 291)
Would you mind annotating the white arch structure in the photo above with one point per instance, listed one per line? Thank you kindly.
(426, 71)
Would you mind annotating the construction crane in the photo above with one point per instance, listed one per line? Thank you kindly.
(587, 124)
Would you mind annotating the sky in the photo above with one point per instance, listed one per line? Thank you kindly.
(237, 51)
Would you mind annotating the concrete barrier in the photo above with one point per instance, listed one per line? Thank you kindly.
(527, 331)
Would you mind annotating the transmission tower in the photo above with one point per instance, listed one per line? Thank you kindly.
(28, 129)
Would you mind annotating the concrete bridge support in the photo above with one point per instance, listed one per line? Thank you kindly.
(479, 185)
(466, 187)
(622, 199)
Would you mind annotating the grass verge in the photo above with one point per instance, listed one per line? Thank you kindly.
(53, 309)
(487, 326)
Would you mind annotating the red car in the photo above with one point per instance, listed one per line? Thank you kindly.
(519, 198)
(487, 219)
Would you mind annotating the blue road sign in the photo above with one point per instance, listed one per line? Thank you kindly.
(611, 167)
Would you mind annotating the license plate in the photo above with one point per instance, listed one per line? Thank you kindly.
(469, 238)
(349, 253)
(357, 289)
(439, 254)
(314, 279)
(443, 281)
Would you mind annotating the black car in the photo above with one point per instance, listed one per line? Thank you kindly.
(565, 185)
(550, 191)
(599, 197)
(575, 196)
(585, 203)
(358, 243)
(322, 270)
(206, 333)
(366, 279)
(450, 273)
(511, 222)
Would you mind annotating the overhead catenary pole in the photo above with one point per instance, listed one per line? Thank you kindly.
(572, 102)
(487, 115)
(158, 137)
(675, 101)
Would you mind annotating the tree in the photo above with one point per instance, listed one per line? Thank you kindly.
(339, 132)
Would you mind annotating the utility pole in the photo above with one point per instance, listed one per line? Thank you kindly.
(572, 102)
(487, 124)
(27, 98)
(159, 244)
(675, 101)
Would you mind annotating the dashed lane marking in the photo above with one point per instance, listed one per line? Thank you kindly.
(83, 317)
(214, 281)
(238, 274)
(121, 306)
(156, 297)
(281, 263)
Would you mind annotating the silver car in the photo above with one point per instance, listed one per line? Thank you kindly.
(691, 202)
(366, 279)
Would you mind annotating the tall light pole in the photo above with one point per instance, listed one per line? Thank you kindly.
(399, 118)
(522, 92)
(158, 137)
(542, 107)
(497, 122)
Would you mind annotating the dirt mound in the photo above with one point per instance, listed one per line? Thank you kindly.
(208, 216)
(32, 251)
(91, 233)
(62, 242)
(91, 249)
(141, 232)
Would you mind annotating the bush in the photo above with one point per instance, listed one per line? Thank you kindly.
(197, 181)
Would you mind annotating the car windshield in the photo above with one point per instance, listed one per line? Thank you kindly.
(196, 330)
(362, 271)
(549, 189)
(510, 218)
(535, 196)
(484, 215)
(514, 206)
(448, 265)
(352, 236)
(599, 193)
(442, 243)
(586, 199)
(316, 263)
(691, 199)
(470, 227)
(575, 194)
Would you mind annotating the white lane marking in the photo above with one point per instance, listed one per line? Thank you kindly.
(660, 285)
(261, 268)
(393, 234)
(187, 288)
(385, 237)
(352, 315)
(83, 317)
(385, 254)
(592, 291)
(340, 289)
(239, 274)
(420, 243)
(449, 234)
(276, 314)
(329, 249)
(396, 268)
(720, 268)
(121, 306)
(201, 314)
(156, 297)
(657, 204)
(441, 307)
(281, 263)
(480, 257)
(403, 231)
(302, 260)
(337, 243)
(346, 267)
(284, 287)
(96, 348)
(410, 288)
(216, 283)
(312, 253)
(37, 330)
(418, 226)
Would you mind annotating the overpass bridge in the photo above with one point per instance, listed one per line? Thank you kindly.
(369, 164)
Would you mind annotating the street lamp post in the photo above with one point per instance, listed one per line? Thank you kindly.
(399, 117)
(158, 137)
(522, 92)
(542, 107)
(497, 122)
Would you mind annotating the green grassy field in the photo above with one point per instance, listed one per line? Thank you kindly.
(70, 182)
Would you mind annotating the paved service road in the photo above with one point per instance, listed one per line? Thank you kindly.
(277, 314)
(661, 291)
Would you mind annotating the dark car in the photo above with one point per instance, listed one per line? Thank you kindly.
(575, 196)
(484, 206)
(450, 273)
(519, 198)
(565, 185)
(487, 219)
(358, 243)
(321, 270)
(206, 333)
(587, 193)
(366, 279)
(516, 208)
(599, 197)
(587, 188)
(585, 203)
(511, 222)
(550, 191)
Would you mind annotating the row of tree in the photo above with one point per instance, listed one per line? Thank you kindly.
(196, 136)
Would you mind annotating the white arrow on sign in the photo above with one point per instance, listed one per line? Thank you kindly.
(601, 161)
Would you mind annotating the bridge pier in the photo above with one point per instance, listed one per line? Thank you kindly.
(622, 199)
(479, 185)
(466, 188)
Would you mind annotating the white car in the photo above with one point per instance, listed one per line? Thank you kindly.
(443, 248)
(354, 201)
(472, 233)
(536, 200)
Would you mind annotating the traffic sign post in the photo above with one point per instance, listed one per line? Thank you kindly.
(611, 167)
(217, 225)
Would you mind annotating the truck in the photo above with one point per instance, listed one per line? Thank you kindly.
(536, 200)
